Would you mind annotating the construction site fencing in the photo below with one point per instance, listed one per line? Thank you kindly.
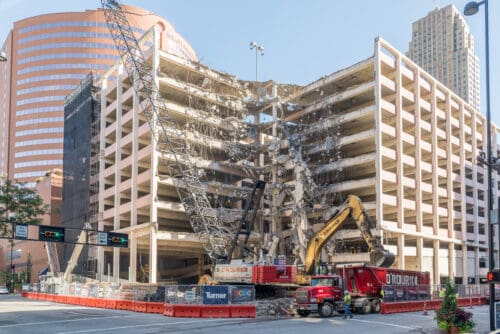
(395, 293)
(210, 294)
(169, 294)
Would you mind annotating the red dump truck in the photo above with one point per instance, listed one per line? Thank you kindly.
(365, 284)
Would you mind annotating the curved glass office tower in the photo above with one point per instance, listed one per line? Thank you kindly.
(47, 57)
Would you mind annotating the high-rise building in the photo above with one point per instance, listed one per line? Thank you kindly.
(442, 45)
(48, 56)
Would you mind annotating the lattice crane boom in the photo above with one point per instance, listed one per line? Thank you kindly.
(214, 236)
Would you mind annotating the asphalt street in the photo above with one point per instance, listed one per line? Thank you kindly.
(23, 316)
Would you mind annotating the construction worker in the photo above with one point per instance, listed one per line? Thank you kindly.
(442, 292)
(347, 305)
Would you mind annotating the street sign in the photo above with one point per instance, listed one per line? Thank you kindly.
(117, 240)
(102, 238)
(50, 233)
(21, 231)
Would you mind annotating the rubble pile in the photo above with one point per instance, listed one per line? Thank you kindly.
(275, 307)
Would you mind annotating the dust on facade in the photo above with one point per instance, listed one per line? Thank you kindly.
(382, 129)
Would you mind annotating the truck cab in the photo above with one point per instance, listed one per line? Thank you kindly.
(323, 296)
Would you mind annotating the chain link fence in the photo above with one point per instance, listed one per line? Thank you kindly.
(170, 294)
(392, 293)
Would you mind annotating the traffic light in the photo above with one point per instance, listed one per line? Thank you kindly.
(51, 233)
(117, 240)
(493, 276)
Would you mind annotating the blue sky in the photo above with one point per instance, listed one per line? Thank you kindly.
(303, 40)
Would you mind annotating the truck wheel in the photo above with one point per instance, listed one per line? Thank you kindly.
(375, 305)
(326, 310)
(303, 313)
(366, 307)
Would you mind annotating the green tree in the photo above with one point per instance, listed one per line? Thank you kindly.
(19, 204)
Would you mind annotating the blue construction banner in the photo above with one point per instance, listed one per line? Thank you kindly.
(242, 294)
(216, 294)
(389, 294)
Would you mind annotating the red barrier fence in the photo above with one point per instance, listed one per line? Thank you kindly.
(138, 306)
(124, 305)
(170, 310)
(425, 305)
(187, 311)
(215, 311)
(242, 311)
(152, 307)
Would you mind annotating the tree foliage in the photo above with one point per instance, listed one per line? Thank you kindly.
(19, 204)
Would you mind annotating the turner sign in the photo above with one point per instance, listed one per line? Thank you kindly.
(398, 279)
(215, 294)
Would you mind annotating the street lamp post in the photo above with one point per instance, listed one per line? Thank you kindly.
(3, 58)
(11, 288)
(472, 8)
(258, 48)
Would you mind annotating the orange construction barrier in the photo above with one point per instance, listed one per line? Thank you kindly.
(124, 305)
(187, 311)
(215, 311)
(168, 310)
(138, 306)
(242, 311)
(101, 303)
(152, 307)
(111, 304)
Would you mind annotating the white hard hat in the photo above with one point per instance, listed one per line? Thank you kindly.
(346, 291)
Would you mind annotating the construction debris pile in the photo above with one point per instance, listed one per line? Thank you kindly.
(280, 307)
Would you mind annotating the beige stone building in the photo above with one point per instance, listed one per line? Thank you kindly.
(382, 129)
(443, 46)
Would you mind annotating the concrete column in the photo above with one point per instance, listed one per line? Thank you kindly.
(418, 168)
(435, 185)
(116, 264)
(420, 253)
(118, 158)
(399, 146)
(465, 270)
(475, 153)
(132, 242)
(476, 262)
(100, 223)
(153, 241)
(401, 251)
(451, 261)
(435, 250)
(378, 141)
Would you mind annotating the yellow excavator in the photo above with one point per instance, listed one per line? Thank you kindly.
(352, 207)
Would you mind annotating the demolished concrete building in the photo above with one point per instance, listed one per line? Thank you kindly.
(382, 129)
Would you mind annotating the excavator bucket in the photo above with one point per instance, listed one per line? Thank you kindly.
(382, 258)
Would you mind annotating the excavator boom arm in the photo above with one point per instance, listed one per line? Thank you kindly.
(352, 207)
